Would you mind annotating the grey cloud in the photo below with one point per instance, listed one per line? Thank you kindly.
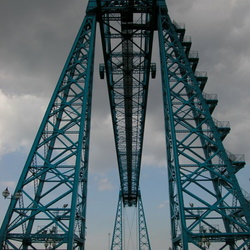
(35, 41)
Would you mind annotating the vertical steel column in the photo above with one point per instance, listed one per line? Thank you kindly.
(175, 196)
(144, 243)
(118, 227)
(117, 239)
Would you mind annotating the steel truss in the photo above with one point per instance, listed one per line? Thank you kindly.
(127, 35)
(54, 210)
(117, 239)
(207, 205)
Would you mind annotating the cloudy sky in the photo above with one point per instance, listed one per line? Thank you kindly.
(36, 37)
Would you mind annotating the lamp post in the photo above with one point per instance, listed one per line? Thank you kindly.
(46, 244)
(204, 243)
(6, 194)
(50, 244)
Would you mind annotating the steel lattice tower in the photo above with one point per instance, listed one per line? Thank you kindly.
(207, 204)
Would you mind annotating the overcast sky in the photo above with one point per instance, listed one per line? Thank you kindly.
(36, 37)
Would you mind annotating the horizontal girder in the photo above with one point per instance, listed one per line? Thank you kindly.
(127, 34)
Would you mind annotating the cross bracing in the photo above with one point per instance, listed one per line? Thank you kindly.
(207, 205)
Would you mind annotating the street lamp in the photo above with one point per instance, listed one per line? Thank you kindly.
(50, 244)
(46, 244)
(204, 243)
(6, 194)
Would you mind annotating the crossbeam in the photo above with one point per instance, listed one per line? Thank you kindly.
(127, 67)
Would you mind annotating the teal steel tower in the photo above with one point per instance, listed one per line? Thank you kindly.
(208, 208)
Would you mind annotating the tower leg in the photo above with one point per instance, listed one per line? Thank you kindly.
(206, 203)
(117, 240)
(144, 243)
(53, 212)
(118, 229)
